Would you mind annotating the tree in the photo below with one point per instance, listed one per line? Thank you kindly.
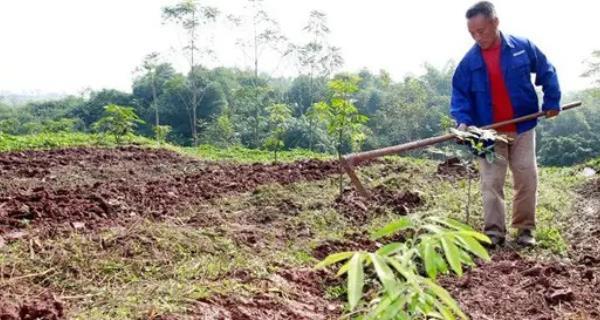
(316, 59)
(176, 94)
(118, 121)
(439, 81)
(161, 132)
(148, 89)
(574, 137)
(221, 132)
(593, 67)
(279, 116)
(91, 110)
(190, 15)
(407, 111)
(343, 121)
(262, 36)
(151, 68)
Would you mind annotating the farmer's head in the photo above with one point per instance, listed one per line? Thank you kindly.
(483, 24)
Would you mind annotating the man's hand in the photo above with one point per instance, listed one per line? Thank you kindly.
(462, 127)
(552, 113)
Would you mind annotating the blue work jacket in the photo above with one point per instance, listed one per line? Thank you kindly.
(471, 101)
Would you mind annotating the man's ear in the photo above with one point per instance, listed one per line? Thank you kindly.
(496, 22)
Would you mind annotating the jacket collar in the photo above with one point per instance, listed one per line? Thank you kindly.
(507, 41)
(477, 61)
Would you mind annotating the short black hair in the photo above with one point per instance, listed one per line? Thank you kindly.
(484, 8)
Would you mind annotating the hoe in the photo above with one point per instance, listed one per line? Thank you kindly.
(351, 160)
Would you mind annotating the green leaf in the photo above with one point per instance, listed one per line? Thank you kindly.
(429, 256)
(434, 229)
(445, 313)
(396, 310)
(343, 269)
(405, 271)
(465, 258)
(444, 296)
(334, 258)
(441, 264)
(356, 279)
(384, 273)
(477, 235)
(474, 246)
(346, 266)
(452, 223)
(390, 249)
(393, 227)
(452, 253)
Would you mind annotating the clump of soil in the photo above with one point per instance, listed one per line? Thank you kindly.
(512, 287)
(351, 242)
(45, 307)
(38, 164)
(454, 168)
(124, 195)
(301, 299)
(354, 206)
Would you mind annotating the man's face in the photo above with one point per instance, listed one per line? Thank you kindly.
(483, 30)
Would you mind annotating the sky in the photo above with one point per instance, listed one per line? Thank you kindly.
(66, 46)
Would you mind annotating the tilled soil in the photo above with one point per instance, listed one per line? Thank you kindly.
(45, 307)
(357, 208)
(304, 300)
(84, 188)
(46, 192)
(454, 168)
(350, 242)
(133, 182)
(514, 287)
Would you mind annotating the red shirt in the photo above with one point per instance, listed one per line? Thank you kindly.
(502, 108)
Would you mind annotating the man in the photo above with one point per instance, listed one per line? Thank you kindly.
(492, 83)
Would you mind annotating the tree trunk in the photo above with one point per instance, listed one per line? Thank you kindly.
(193, 85)
(310, 121)
(256, 95)
(194, 119)
(310, 133)
(154, 102)
(339, 153)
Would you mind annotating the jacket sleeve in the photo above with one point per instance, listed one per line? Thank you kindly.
(545, 76)
(461, 107)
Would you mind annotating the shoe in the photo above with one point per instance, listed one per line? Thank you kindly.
(495, 241)
(525, 238)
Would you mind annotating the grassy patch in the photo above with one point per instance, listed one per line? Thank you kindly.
(594, 164)
(45, 141)
(245, 155)
(448, 197)
(126, 273)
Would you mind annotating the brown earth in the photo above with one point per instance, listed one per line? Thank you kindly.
(112, 185)
(454, 168)
(515, 287)
(357, 208)
(290, 294)
(83, 189)
(44, 307)
(303, 300)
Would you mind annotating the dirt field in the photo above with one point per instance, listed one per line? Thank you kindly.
(53, 195)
